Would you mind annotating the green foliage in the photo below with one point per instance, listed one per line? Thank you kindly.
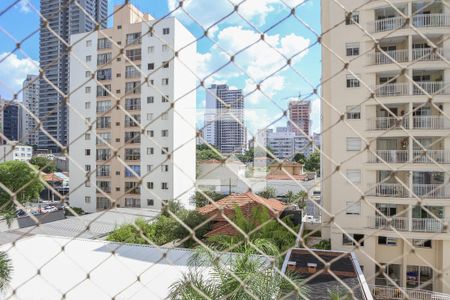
(339, 294)
(5, 270)
(224, 281)
(172, 206)
(207, 152)
(163, 229)
(269, 192)
(312, 162)
(323, 245)
(297, 198)
(78, 211)
(44, 164)
(200, 200)
(300, 158)
(249, 155)
(18, 177)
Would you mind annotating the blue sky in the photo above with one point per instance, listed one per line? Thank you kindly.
(257, 63)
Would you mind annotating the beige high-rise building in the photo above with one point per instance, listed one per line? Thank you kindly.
(142, 151)
(397, 122)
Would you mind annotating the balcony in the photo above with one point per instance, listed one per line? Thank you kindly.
(395, 190)
(438, 20)
(418, 88)
(384, 123)
(387, 24)
(431, 156)
(389, 156)
(431, 191)
(431, 122)
(392, 89)
(406, 224)
(431, 20)
(401, 56)
(390, 292)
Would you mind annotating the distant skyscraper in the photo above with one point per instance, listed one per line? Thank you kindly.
(9, 119)
(31, 102)
(64, 20)
(300, 114)
(224, 119)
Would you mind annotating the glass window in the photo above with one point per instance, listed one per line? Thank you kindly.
(353, 144)
(103, 106)
(353, 112)
(352, 81)
(103, 43)
(353, 208)
(133, 38)
(354, 176)
(133, 54)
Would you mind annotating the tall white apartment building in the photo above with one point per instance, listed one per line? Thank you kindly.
(31, 101)
(285, 143)
(146, 155)
(399, 122)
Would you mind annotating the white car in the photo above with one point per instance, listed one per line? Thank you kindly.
(308, 219)
(48, 209)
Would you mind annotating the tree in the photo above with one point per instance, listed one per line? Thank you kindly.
(323, 245)
(312, 162)
(18, 177)
(44, 164)
(5, 270)
(269, 192)
(224, 281)
(200, 200)
(297, 198)
(300, 158)
(207, 152)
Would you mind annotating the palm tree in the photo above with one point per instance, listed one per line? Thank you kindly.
(5, 270)
(232, 277)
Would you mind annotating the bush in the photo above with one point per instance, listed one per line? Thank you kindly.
(79, 212)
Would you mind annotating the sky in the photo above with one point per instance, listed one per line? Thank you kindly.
(284, 35)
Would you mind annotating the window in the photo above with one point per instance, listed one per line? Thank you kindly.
(353, 144)
(103, 106)
(133, 87)
(103, 203)
(164, 116)
(103, 154)
(149, 168)
(134, 38)
(103, 122)
(353, 208)
(151, 66)
(103, 170)
(104, 74)
(103, 44)
(88, 43)
(150, 185)
(150, 150)
(104, 58)
(165, 64)
(150, 99)
(166, 31)
(352, 49)
(150, 202)
(388, 241)
(87, 136)
(352, 18)
(87, 105)
(132, 72)
(165, 81)
(354, 176)
(353, 112)
(150, 133)
(164, 150)
(87, 184)
(136, 169)
(104, 186)
(151, 49)
(88, 74)
(133, 104)
(103, 91)
(133, 154)
(87, 152)
(165, 48)
(129, 122)
(132, 187)
(88, 58)
(87, 90)
(87, 199)
(352, 82)
(132, 202)
(164, 186)
(132, 137)
(164, 99)
(134, 54)
(164, 133)
(164, 168)
(421, 243)
(346, 241)
(103, 138)
(87, 168)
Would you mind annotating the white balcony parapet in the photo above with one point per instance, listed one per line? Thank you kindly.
(389, 57)
(383, 123)
(431, 20)
(431, 156)
(427, 54)
(431, 122)
(392, 89)
(406, 224)
(390, 292)
(387, 24)
(389, 190)
(418, 88)
(431, 87)
(431, 191)
(389, 156)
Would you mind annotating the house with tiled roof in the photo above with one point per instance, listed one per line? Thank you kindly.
(223, 210)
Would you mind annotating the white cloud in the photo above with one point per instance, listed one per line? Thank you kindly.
(13, 71)
(269, 88)
(24, 6)
(315, 115)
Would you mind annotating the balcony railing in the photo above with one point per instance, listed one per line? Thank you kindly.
(392, 89)
(389, 156)
(419, 88)
(431, 122)
(388, 292)
(389, 57)
(431, 190)
(389, 190)
(386, 24)
(407, 224)
(431, 156)
(431, 20)
(427, 54)
(430, 87)
(383, 123)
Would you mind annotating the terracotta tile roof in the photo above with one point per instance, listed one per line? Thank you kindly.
(286, 177)
(216, 161)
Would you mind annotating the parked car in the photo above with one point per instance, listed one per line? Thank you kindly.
(48, 209)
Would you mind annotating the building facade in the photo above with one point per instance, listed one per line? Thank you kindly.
(15, 152)
(408, 155)
(284, 144)
(64, 19)
(224, 119)
(10, 120)
(141, 152)
(300, 114)
(31, 103)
